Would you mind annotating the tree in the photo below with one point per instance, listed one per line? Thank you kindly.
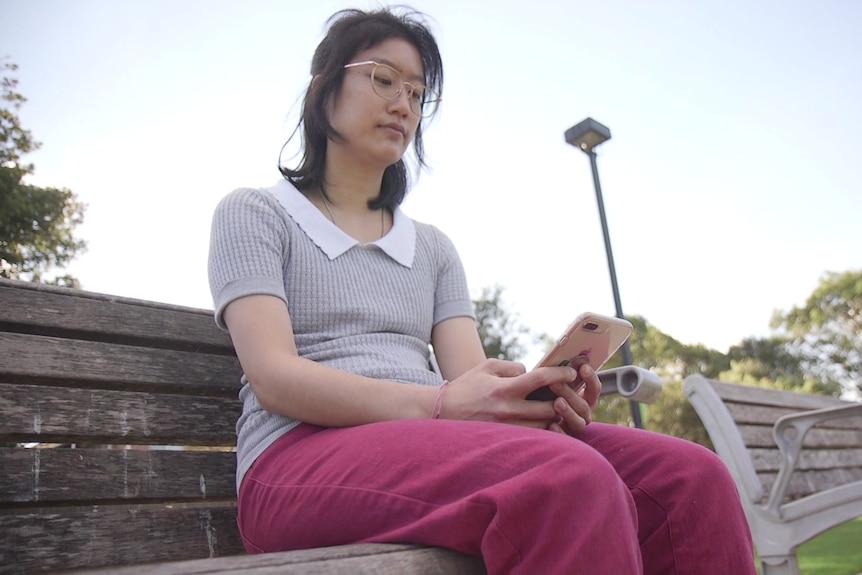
(826, 332)
(36, 224)
(672, 361)
(774, 362)
(499, 329)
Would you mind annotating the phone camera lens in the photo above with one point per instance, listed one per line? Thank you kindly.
(590, 326)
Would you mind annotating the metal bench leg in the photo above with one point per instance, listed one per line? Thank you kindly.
(778, 565)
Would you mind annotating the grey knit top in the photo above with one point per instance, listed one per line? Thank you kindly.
(363, 308)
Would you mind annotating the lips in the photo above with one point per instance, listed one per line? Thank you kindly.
(396, 127)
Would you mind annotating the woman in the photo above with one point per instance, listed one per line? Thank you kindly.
(331, 296)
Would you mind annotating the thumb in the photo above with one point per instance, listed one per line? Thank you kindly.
(504, 368)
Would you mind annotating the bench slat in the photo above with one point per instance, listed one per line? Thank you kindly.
(816, 438)
(736, 393)
(767, 415)
(804, 483)
(94, 476)
(93, 369)
(50, 310)
(56, 414)
(823, 488)
(770, 459)
(41, 359)
(367, 558)
(64, 538)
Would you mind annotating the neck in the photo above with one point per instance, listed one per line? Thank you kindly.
(350, 197)
(350, 182)
(355, 224)
(343, 199)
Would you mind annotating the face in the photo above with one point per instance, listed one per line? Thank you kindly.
(376, 131)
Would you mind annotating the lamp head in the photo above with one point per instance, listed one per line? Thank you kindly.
(587, 134)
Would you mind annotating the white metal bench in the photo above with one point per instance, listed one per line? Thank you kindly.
(796, 459)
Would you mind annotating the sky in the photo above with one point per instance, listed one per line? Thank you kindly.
(732, 181)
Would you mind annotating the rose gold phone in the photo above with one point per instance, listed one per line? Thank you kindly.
(592, 338)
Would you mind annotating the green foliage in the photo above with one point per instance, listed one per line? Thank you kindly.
(672, 414)
(659, 352)
(36, 224)
(773, 362)
(499, 329)
(821, 347)
(826, 332)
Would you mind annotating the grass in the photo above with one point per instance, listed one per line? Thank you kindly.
(836, 552)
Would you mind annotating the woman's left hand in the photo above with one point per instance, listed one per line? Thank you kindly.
(575, 404)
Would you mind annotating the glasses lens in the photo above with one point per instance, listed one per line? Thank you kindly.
(424, 102)
(386, 82)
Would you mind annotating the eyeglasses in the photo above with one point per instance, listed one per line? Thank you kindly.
(388, 83)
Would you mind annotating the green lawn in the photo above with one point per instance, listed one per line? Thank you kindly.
(836, 552)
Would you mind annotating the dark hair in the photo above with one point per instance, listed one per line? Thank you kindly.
(351, 31)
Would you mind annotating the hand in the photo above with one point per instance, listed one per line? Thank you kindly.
(496, 390)
(575, 403)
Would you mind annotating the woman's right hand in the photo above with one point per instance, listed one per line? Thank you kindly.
(496, 390)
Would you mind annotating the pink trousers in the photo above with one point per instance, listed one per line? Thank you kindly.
(614, 500)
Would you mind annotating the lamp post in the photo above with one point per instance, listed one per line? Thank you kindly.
(586, 136)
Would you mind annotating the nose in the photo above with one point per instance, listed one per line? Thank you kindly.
(401, 103)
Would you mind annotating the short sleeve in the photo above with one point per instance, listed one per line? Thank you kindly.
(451, 295)
(249, 247)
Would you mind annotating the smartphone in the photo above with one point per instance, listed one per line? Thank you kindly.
(592, 338)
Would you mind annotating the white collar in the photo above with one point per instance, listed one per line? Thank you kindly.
(399, 244)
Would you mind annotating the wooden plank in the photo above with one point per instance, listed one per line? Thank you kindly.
(738, 393)
(804, 483)
(65, 538)
(47, 414)
(744, 413)
(49, 310)
(366, 558)
(93, 476)
(816, 438)
(770, 459)
(40, 359)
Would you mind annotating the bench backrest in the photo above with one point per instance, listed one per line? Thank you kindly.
(117, 427)
(833, 449)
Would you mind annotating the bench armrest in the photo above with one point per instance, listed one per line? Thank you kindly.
(789, 433)
(631, 382)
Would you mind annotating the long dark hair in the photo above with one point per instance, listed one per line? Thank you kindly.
(351, 31)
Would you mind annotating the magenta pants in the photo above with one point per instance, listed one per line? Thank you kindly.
(614, 500)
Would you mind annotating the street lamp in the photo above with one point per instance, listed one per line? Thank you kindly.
(586, 136)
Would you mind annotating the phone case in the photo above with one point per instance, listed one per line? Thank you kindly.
(592, 338)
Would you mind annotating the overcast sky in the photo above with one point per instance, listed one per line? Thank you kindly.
(732, 181)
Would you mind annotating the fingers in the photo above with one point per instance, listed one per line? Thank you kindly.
(576, 400)
(571, 408)
(543, 376)
(504, 396)
(503, 368)
(557, 428)
(592, 386)
(535, 424)
(494, 391)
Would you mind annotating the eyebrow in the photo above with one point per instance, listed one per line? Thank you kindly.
(415, 78)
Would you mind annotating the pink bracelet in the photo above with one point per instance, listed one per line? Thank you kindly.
(438, 403)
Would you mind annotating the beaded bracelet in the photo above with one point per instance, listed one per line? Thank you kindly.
(438, 403)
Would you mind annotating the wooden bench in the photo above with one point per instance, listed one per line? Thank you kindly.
(796, 459)
(117, 434)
